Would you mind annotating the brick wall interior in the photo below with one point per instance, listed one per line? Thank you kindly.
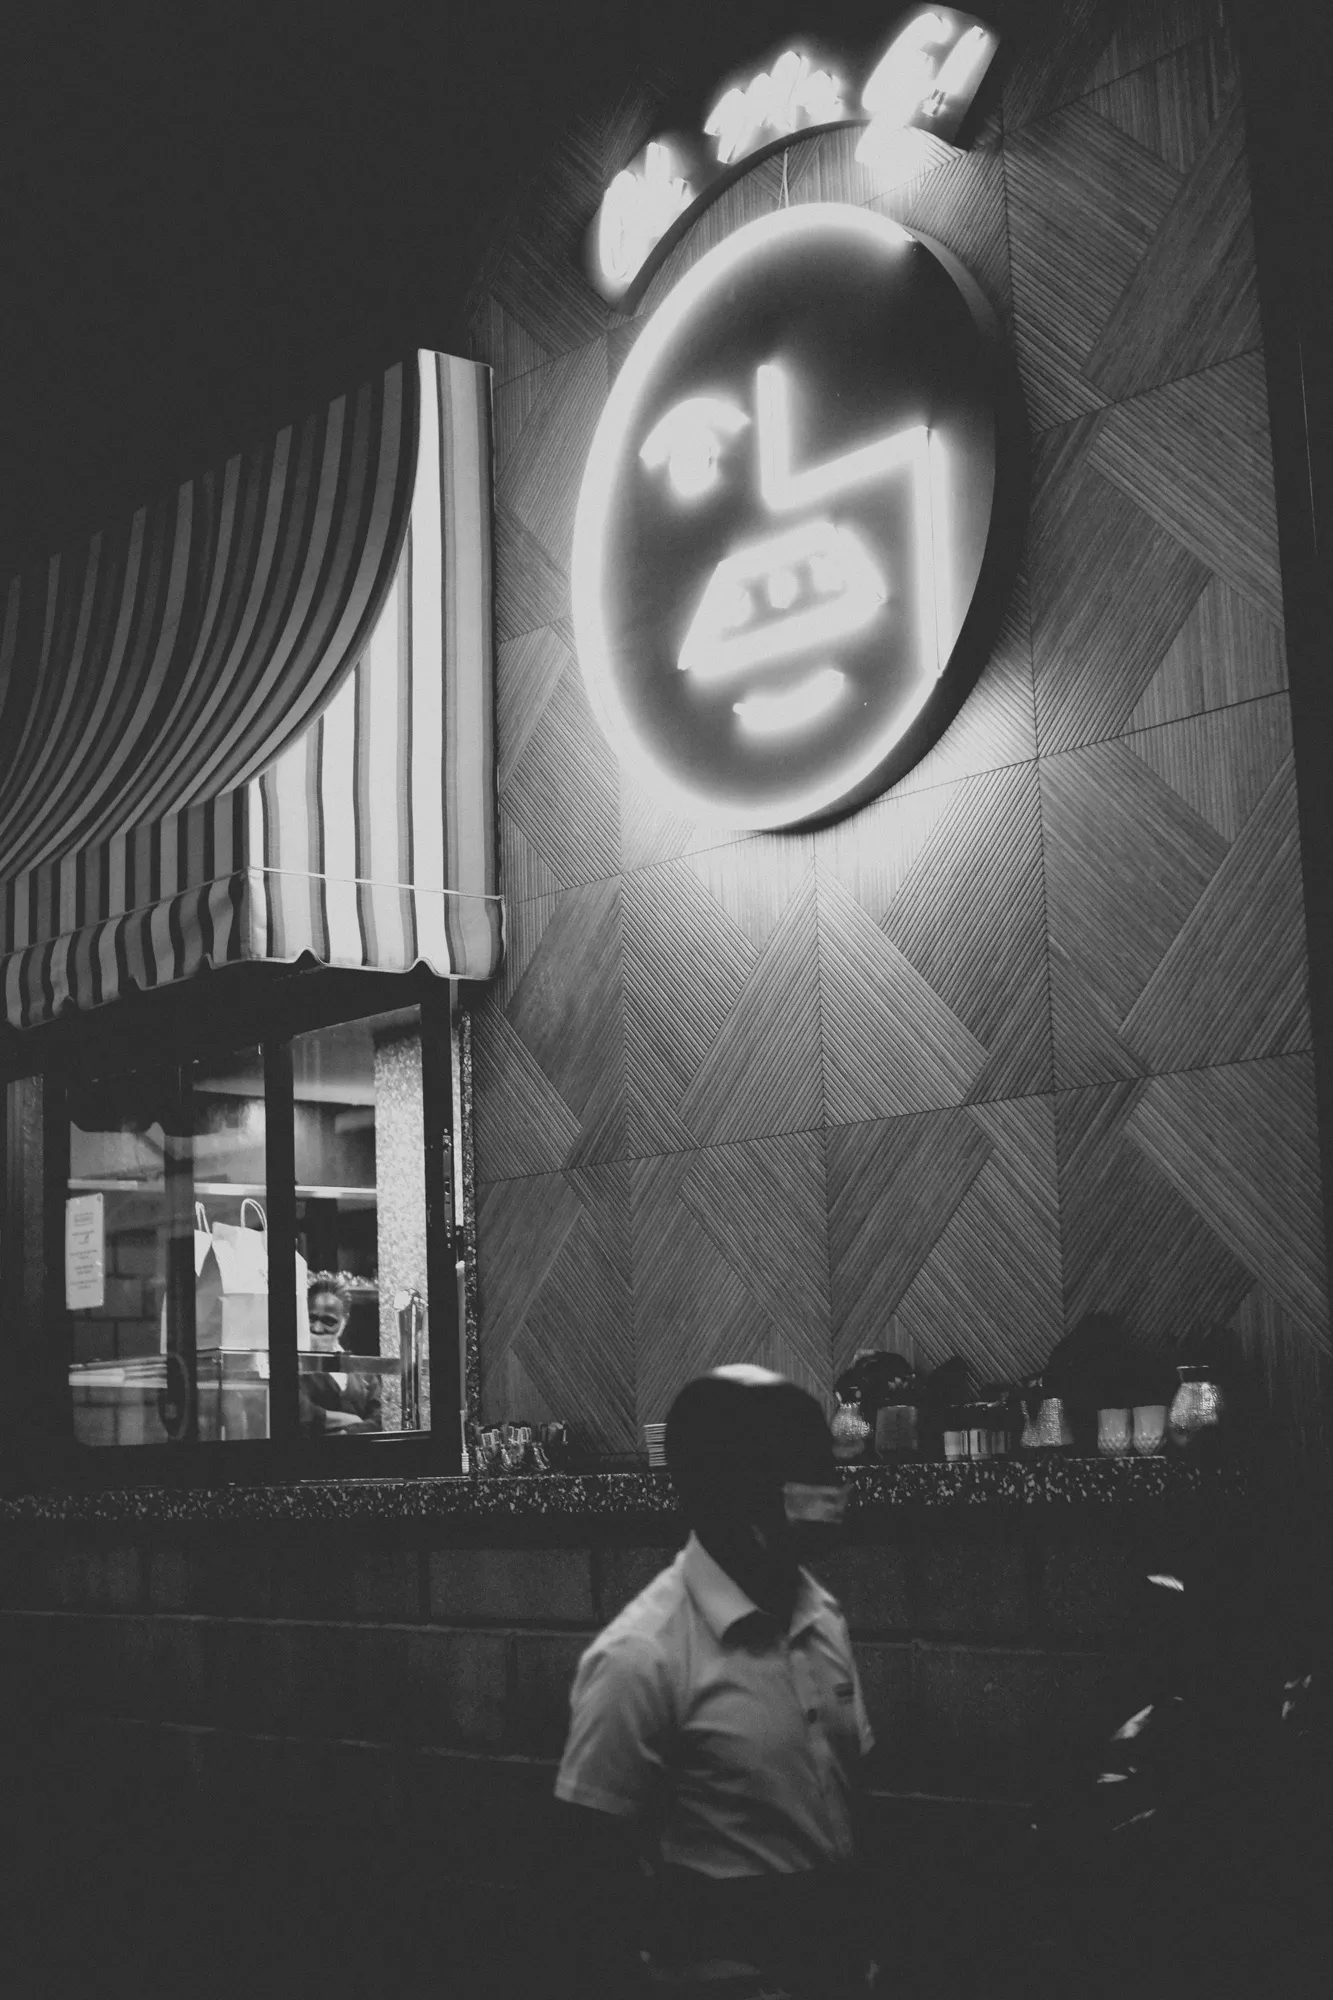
(266, 1722)
(1026, 1037)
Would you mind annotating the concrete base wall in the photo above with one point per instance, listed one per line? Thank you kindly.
(290, 1717)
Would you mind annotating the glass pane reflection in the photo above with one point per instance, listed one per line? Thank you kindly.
(167, 1255)
(361, 1225)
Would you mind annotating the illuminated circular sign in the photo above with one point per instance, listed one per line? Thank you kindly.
(792, 519)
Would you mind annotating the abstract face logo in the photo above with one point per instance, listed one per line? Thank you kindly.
(783, 516)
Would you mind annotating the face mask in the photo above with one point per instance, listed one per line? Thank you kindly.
(824, 1504)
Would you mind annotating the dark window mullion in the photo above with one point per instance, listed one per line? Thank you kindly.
(444, 1332)
(280, 1173)
(180, 1409)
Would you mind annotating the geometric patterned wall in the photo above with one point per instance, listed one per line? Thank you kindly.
(1027, 1036)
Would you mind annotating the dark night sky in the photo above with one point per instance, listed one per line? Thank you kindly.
(215, 214)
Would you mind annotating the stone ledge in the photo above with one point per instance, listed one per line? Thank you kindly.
(626, 1499)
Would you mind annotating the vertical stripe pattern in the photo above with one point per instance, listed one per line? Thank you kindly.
(173, 656)
(379, 829)
(369, 840)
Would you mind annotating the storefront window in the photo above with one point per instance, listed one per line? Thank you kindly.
(166, 1255)
(311, 1145)
(361, 1226)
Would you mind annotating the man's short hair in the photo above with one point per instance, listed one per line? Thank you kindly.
(330, 1281)
(738, 1435)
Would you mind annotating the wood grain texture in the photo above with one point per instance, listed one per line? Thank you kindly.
(563, 786)
(1169, 106)
(1067, 48)
(568, 1011)
(550, 1044)
(1126, 861)
(531, 589)
(1110, 589)
(1085, 204)
(1226, 651)
(686, 964)
(1174, 897)
(970, 916)
(558, 1307)
(736, 1052)
(947, 1221)
(997, 723)
(961, 203)
(1193, 299)
(1240, 1145)
(546, 443)
(890, 1044)
(1025, 1037)
(1197, 456)
(730, 1264)
(1233, 982)
(1221, 763)
(1132, 1244)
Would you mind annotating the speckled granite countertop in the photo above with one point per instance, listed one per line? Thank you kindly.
(628, 1497)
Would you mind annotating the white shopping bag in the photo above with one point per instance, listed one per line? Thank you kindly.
(231, 1285)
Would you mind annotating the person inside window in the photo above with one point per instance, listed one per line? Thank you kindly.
(334, 1402)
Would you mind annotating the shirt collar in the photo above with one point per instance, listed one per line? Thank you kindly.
(722, 1604)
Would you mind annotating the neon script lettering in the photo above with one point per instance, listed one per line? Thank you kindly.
(774, 103)
(637, 211)
(925, 80)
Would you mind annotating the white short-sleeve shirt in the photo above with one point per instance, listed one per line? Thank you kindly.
(696, 1712)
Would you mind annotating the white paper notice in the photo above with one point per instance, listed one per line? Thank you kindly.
(85, 1251)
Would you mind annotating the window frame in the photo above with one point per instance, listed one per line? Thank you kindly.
(216, 1014)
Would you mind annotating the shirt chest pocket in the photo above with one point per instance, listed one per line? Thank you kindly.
(768, 1711)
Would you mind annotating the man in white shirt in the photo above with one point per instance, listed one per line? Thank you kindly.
(717, 1725)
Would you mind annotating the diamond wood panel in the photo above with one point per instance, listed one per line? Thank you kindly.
(556, 1303)
(1066, 48)
(1233, 983)
(997, 723)
(890, 1044)
(545, 443)
(730, 1264)
(1225, 652)
(961, 203)
(562, 788)
(1170, 106)
(1132, 1244)
(1193, 300)
(1180, 1193)
(829, 1056)
(947, 1222)
(1085, 204)
(975, 928)
(1196, 455)
(549, 1046)
(1285, 1366)
(933, 965)
(524, 873)
(1170, 945)
(723, 1034)
(1111, 589)
(531, 590)
(1132, 267)
(1240, 1145)
(1222, 763)
(527, 670)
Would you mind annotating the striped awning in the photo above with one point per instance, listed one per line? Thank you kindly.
(294, 755)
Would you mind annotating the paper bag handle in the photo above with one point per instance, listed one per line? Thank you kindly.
(250, 1202)
(201, 1219)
